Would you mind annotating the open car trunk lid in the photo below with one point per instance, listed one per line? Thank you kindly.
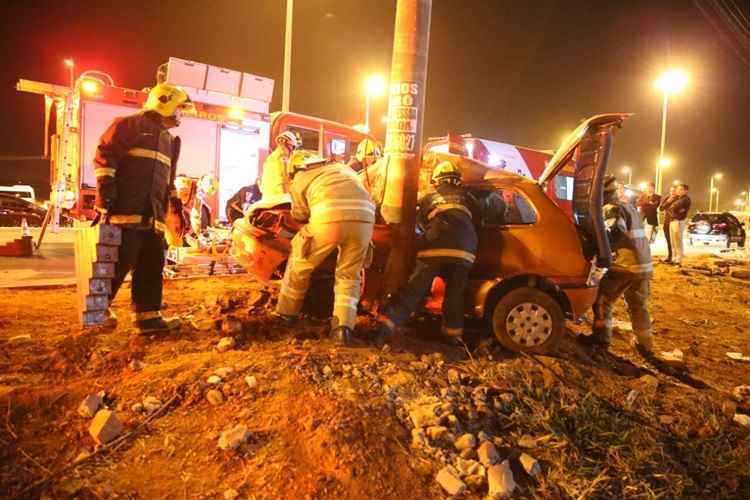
(588, 148)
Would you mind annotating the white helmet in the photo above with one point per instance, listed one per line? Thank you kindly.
(290, 138)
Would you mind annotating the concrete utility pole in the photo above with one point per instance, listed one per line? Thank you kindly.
(403, 140)
(286, 90)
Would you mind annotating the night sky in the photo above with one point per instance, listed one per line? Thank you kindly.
(522, 72)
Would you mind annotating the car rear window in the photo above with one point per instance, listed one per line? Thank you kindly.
(710, 218)
(502, 207)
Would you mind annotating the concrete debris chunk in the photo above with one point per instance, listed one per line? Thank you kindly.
(500, 480)
(488, 453)
(465, 442)
(214, 379)
(527, 441)
(454, 377)
(151, 404)
(530, 464)
(327, 371)
(214, 397)
(251, 381)
(450, 481)
(234, 437)
(437, 432)
(741, 394)
(483, 436)
(738, 356)
(105, 427)
(632, 396)
(425, 414)
(675, 356)
(225, 344)
(137, 408)
(468, 467)
(230, 494)
(741, 419)
(90, 405)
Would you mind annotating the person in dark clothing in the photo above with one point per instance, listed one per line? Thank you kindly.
(628, 276)
(648, 206)
(449, 249)
(135, 167)
(678, 211)
(664, 207)
(237, 204)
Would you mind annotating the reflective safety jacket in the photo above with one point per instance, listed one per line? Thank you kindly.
(330, 193)
(274, 180)
(135, 170)
(628, 239)
(445, 215)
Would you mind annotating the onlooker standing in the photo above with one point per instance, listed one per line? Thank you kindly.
(678, 209)
(648, 204)
(664, 207)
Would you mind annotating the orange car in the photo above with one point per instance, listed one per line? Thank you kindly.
(535, 266)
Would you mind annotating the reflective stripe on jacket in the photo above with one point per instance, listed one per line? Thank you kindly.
(330, 193)
(445, 214)
(135, 168)
(628, 238)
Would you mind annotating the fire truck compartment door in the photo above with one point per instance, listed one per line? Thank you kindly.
(199, 147)
(238, 162)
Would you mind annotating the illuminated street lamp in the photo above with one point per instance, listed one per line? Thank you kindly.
(627, 170)
(374, 87)
(71, 66)
(739, 203)
(711, 190)
(670, 82)
(643, 185)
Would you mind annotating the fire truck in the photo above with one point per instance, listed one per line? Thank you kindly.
(517, 159)
(229, 135)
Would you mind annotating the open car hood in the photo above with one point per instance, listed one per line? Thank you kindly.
(565, 152)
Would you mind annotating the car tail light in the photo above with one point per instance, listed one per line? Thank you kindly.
(721, 225)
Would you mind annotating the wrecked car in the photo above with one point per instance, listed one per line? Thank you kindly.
(535, 265)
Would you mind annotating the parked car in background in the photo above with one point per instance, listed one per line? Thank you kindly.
(535, 265)
(721, 228)
(14, 210)
(22, 191)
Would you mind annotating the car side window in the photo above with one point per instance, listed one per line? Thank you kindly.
(501, 207)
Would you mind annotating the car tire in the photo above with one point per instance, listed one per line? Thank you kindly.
(539, 320)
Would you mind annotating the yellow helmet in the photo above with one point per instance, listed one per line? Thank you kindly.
(165, 98)
(366, 148)
(446, 172)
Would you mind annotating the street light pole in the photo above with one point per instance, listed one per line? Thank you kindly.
(403, 139)
(659, 172)
(287, 57)
(711, 194)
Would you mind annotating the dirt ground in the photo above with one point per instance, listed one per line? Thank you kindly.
(333, 422)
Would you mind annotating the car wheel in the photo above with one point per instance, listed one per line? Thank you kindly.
(528, 320)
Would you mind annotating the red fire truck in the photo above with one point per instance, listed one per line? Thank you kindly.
(229, 136)
(520, 160)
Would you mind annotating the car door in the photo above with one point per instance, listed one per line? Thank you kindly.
(588, 149)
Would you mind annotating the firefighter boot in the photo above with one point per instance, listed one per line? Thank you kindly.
(342, 335)
(284, 319)
(600, 336)
(156, 325)
(643, 341)
(383, 331)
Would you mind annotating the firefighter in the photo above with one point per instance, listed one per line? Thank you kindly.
(135, 170)
(338, 214)
(449, 248)
(629, 275)
(368, 152)
(201, 216)
(274, 180)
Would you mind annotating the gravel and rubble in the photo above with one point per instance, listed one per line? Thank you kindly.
(283, 413)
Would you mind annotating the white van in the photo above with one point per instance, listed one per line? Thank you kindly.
(19, 191)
